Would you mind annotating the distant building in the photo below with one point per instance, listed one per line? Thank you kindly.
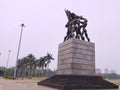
(98, 71)
(112, 71)
(106, 71)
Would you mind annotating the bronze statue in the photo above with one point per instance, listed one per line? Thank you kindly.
(70, 33)
(76, 26)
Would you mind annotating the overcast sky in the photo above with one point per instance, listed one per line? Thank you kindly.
(45, 21)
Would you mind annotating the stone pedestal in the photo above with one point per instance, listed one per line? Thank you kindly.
(76, 68)
(76, 57)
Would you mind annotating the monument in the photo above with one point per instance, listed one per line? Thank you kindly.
(76, 59)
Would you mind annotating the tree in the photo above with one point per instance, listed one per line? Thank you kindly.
(2, 71)
(26, 66)
(10, 71)
(48, 59)
(30, 66)
(31, 59)
(41, 64)
(22, 67)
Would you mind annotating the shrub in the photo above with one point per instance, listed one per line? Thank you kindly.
(9, 77)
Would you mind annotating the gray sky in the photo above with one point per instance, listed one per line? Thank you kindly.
(45, 21)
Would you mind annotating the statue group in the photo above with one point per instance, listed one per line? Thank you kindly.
(76, 26)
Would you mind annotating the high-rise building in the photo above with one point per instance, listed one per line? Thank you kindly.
(98, 71)
(112, 71)
(106, 70)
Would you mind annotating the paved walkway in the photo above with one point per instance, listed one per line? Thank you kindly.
(26, 85)
(21, 85)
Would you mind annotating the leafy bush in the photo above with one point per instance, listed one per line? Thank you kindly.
(9, 77)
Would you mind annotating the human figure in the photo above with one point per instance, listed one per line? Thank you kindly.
(83, 26)
(78, 30)
(70, 33)
(76, 24)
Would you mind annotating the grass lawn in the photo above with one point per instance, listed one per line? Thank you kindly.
(117, 83)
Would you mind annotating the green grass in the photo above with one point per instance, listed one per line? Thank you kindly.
(26, 78)
(33, 78)
(9, 77)
(117, 83)
(42, 78)
(26, 82)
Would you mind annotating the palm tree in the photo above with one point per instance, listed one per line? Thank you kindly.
(19, 65)
(35, 63)
(27, 66)
(31, 59)
(22, 66)
(48, 59)
(41, 64)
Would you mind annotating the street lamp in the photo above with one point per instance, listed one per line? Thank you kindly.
(7, 61)
(8, 58)
(15, 72)
(0, 54)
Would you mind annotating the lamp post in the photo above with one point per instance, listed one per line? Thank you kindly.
(15, 72)
(7, 61)
(0, 54)
(8, 58)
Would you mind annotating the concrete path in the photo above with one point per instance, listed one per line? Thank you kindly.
(27, 85)
(21, 85)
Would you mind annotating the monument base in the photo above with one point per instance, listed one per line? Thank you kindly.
(76, 68)
(69, 82)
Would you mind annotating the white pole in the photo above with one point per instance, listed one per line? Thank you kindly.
(15, 72)
(7, 62)
(8, 58)
(0, 55)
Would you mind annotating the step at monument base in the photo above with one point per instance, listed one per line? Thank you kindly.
(69, 82)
